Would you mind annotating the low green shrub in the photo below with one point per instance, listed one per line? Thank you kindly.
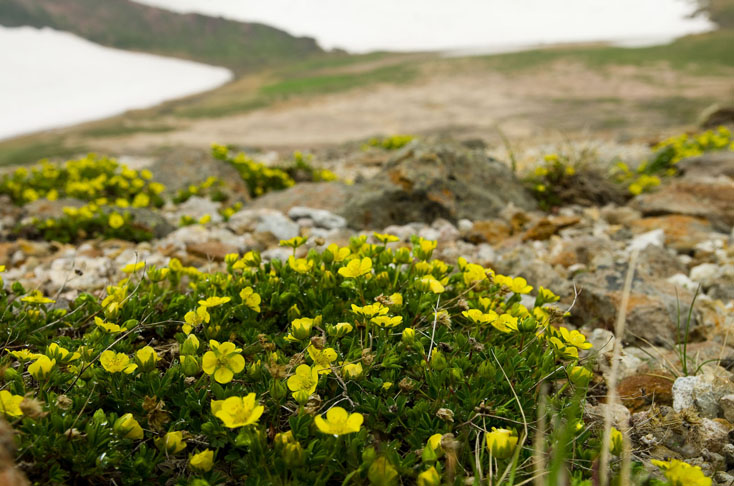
(351, 365)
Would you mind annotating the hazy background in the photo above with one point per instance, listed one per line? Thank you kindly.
(364, 25)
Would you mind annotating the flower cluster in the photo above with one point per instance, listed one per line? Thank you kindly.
(372, 361)
(666, 156)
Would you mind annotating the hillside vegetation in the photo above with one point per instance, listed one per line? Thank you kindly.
(127, 25)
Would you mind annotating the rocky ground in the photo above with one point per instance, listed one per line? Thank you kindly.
(477, 209)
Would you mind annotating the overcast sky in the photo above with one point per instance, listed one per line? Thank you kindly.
(363, 25)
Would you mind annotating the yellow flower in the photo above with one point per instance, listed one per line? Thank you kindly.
(147, 357)
(223, 361)
(300, 265)
(427, 246)
(115, 220)
(356, 268)
(111, 328)
(339, 422)
(251, 299)
(41, 367)
(61, 353)
(141, 200)
(171, 443)
(501, 443)
(24, 354)
(429, 282)
(301, 328)
(36, 297)
(479, 317)
(128, 427)
(133, 267)
(116, 362)
(339, 253)
(205, 219)
(575, 338)
(616, 441)
(429, 477)
(579, 375)
(370, 310)
(341, 329)
(396, 299)
(214, 301)
(681, 473)
(505, 323)
(322, 359)
(237, 411)
(546, 295)
(203, 461)
(385, 237)
(352, 370)
(304, 380)
(10, 404)
(195, 318)
(386, 321)
(294, 242)
(517, 285)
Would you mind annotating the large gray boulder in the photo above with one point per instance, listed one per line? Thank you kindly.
(425, 181)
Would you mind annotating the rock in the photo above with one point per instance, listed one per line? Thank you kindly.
(280, 226)
(148, 220)
(638, 392)
(43, 208)
(703, 392)
(681, 280)
(706, 274)
(179, 168)
(723, 478)
(682, 233)
(710, 200)
(315, 195)
(547, 227)
(320, 217)
(404, 232)
(620, 414)
(423, 182)
(640, 242)
(651, 315)
(709, 166)
(709, 434)
(622, 215)
(198, 207)
(659, 263)
(683, 394)
(215, 250)
(447, 232)
(727, 406)
(589, 251)
(465, 225)
(263, 220)
(492, 231)
(717, 115)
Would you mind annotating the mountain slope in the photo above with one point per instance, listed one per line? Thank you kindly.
(128, 25)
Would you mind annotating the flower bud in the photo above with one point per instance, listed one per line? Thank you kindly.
(501, 443)
(278, 389)
(408, 335)
(146, 358)
(128, 427)
(190, 365)
(579, 376)
(190, 346)
(438, 361)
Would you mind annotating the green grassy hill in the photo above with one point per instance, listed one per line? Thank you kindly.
(243, 47)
